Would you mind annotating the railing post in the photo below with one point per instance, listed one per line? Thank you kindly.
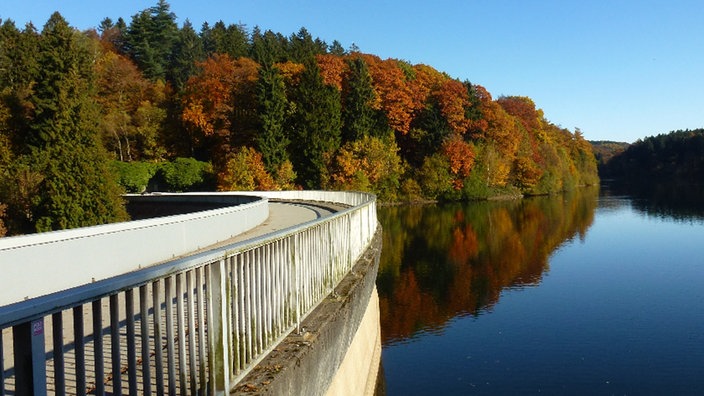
(218, 300)
(30, 366)
(295, 264)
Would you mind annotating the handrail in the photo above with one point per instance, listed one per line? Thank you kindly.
(214, 314)
(39, 264)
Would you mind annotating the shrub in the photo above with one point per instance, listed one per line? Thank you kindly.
(186, 174)
(134, 176)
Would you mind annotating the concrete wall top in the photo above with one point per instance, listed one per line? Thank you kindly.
(39, 264)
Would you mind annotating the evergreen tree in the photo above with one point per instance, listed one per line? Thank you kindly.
(357, 114)
(271, 97)
(231, 40)
(316, 126)
(268, 47)
(18, 63)
(150, 40)
(302, 47)
(336, 48)
(77, 188)
(188, 50)
(113, 33)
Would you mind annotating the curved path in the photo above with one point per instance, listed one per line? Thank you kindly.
(282, 215)
(285, 214)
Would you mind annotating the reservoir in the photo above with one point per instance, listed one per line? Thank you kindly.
(597, 292)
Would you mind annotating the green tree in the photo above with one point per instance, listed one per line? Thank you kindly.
(302, 47)
(316, 126)
(77, 188)
(358, 116)
(18, 64)
(271, 97)
(188, 51)
(185, 174)
(336, 48)
(151, 38)
(268, 48)
(231, 39)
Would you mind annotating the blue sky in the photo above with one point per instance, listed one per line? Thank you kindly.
(618, 70)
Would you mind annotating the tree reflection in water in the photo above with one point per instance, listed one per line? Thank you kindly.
(450, 260)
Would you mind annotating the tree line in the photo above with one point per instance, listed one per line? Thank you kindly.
(85, 116)
(675, 156)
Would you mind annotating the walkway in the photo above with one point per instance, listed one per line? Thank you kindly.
(282, 215)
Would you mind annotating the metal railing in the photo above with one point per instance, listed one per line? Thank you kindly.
(194, 325)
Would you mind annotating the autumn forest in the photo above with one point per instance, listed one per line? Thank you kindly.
(148, 105)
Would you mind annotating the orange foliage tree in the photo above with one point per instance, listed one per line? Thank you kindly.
(523, 108)
(453, 99)
(125, 95)
(395, 95)
(460, 157)
(332, 68)
(426, 81)
(291, 71)
(220, 100)
(207, 101)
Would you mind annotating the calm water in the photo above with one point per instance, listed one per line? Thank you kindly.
(579, 294)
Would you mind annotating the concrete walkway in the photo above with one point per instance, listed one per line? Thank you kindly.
(288, 214)
(282, 215)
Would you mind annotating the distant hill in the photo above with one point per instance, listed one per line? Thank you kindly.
(604, 150)
(675, 156)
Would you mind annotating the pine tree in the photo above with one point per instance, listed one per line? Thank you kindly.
(77, 188)
(150, 40)
(358, 95)
(188, 50)
(221, 39)
(268, 48)
(271, 97)
(302, 47)
(316, 126)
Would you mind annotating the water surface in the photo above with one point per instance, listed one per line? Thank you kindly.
(574, 294)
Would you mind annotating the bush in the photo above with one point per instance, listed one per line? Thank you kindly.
(134, 176)
(186, 174)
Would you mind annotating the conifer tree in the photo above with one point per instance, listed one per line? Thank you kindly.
(268, 47)
(221, 39)
(150, 40)
(358, 95)
(77, 188)
(188, 51)
(316, 126)
(302, 47)
(271, 97)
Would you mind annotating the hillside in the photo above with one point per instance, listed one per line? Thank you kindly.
(151, 103)
(674, 156)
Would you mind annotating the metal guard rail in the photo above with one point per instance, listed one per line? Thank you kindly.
(194, 325)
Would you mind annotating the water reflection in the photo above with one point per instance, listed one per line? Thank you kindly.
(448, 260)
(671, 201)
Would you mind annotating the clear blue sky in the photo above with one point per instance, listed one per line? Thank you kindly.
(618, 70)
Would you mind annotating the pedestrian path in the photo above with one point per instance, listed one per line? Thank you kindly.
(282, 215)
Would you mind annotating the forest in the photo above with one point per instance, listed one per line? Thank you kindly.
(677, 156)
(86, 116)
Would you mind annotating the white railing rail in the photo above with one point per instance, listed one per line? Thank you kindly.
(38, 264)
(194, 325)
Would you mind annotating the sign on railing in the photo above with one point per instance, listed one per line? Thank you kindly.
(189, 326)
